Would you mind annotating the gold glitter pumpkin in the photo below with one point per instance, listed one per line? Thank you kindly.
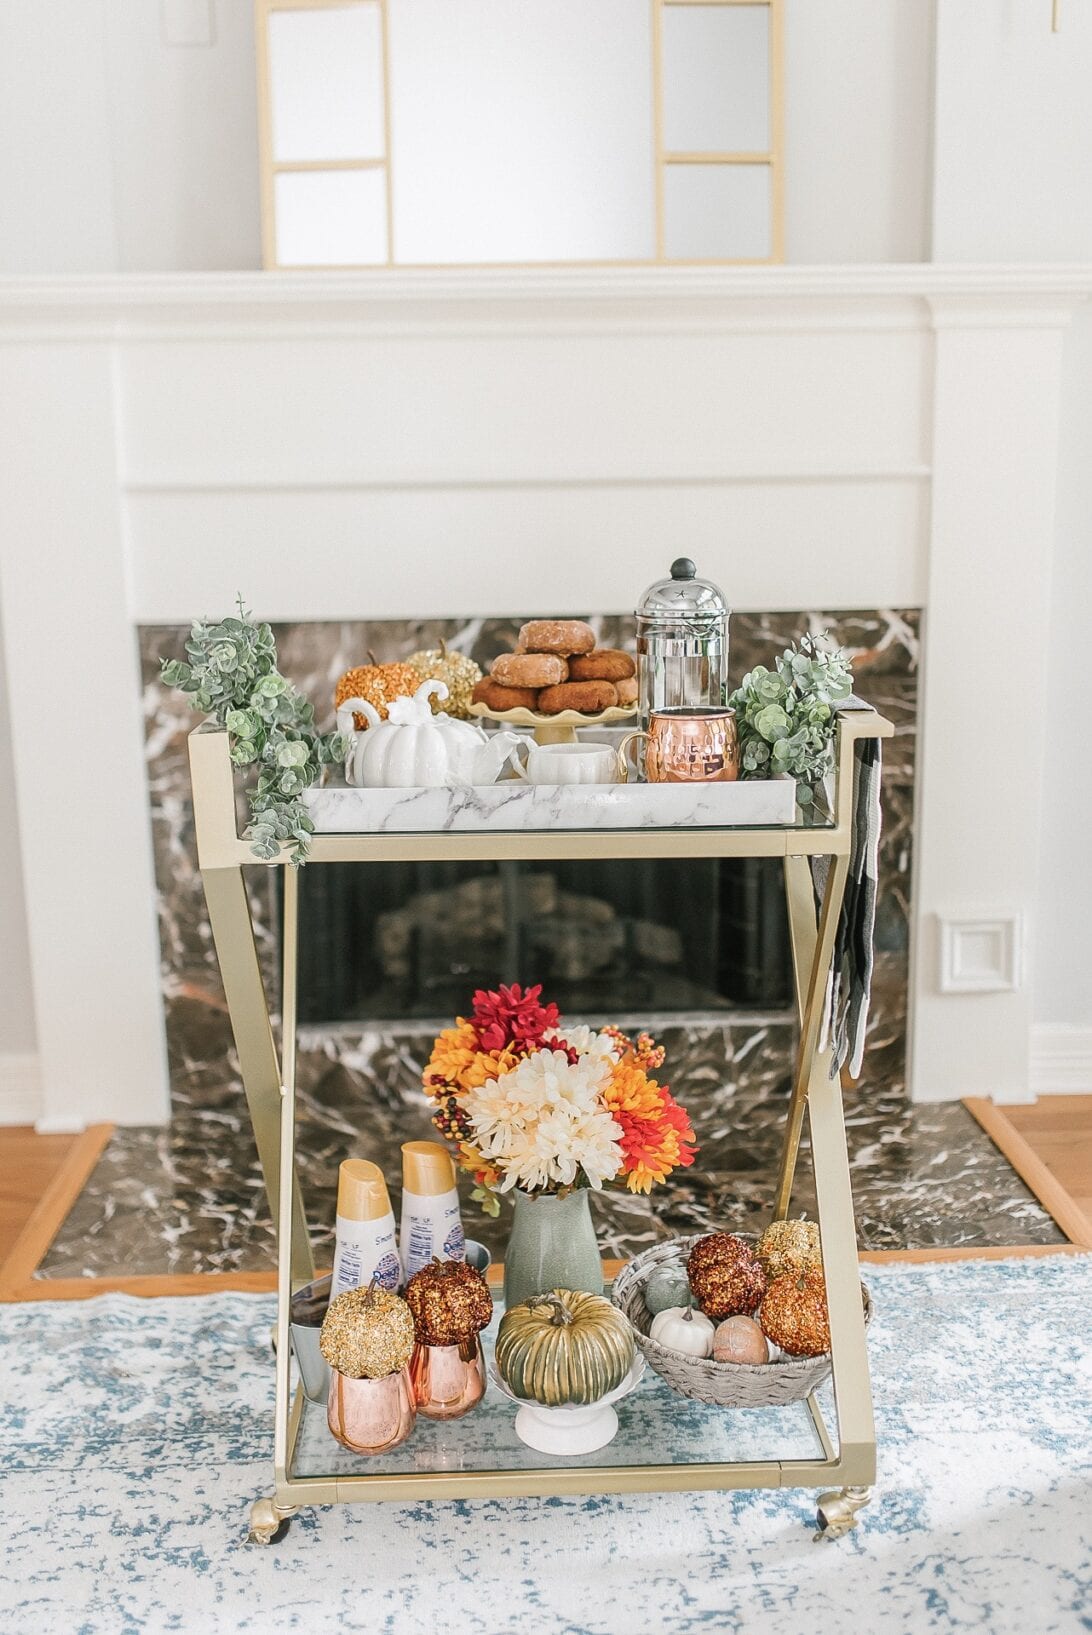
(789, 1246)
(367, 1334)
(725, 1276)
(566, 1346)
(458, 673)
(793, 1314)
(449, 1301)
(379, 684)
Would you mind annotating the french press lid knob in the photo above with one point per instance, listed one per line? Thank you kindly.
(683, 568)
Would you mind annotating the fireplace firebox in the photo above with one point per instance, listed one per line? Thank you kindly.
(413, 940)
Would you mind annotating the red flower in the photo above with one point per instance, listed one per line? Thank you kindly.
(512, 1017)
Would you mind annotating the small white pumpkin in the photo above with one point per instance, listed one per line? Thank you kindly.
(414, 749)
(681, 1328)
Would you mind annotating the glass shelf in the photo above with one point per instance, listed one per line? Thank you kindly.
(656, 1426)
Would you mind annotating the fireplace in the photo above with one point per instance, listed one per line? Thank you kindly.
(397, 947)
(648, 936)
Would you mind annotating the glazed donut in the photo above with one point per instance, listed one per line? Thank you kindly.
(495, 697)
(529, 669)
(589, 697)
(605, 664)
(563, 636)
(627, 690)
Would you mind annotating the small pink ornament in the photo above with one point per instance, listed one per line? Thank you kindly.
(739, 1340)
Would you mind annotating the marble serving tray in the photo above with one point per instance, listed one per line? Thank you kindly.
(338, 809)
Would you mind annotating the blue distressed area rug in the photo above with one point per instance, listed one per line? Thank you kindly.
(135, 1434)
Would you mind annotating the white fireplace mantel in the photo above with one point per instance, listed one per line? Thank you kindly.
(387, 444)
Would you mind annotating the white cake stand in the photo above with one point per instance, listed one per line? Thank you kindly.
(555, 729)
(579, 1428)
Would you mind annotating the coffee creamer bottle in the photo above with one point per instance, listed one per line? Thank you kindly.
(365, 1238)
(431, 1225)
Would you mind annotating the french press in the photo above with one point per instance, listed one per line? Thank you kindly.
(682, 643)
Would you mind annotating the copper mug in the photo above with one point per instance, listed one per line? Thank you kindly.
(448, 1380)
(688, 745)
(371, 1416)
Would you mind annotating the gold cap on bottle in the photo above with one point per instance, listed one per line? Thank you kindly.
(427, 1168)
(361, 1191)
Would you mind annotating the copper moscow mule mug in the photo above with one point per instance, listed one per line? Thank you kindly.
(699, 745)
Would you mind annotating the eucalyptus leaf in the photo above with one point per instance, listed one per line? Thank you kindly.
(234, 678)
(785, 715)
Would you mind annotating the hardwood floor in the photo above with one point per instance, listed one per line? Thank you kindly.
(1049, 1144)
(1059, 1131)
(41, 1176)
(28, 1163)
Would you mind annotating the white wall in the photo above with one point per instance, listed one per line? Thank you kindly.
(56, 184)
(121, 151)
(17, 1036)
(1063, 969)
(858, 117)
(1013, 182)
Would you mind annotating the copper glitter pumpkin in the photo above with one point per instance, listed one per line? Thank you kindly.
(789, 1246)
(725, 1275)
(450, 1303)
(380, 684)
(793, 1314)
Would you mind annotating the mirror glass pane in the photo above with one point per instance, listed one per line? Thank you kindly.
(719, 212)
(326, 83)
(521, 130)
(716, 74)
(332, 218)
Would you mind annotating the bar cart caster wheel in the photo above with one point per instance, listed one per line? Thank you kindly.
(268, 1522)
(837, 1511)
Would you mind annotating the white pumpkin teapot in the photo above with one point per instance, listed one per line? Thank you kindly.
(414, 749)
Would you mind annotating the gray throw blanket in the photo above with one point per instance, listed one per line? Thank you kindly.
(849, 985)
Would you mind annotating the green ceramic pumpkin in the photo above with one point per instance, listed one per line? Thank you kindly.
(566, 1346)
(666, 1288)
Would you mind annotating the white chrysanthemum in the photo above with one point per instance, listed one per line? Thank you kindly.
(544, 1122)
(586, 1042)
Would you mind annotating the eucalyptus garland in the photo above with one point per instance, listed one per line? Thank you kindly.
(786, 716)
(232, 676)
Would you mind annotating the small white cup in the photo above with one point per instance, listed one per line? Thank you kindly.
(570, 763)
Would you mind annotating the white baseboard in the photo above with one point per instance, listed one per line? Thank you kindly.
(1061, 1060)
(20, 1088)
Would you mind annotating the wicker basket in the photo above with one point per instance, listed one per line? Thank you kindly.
(724, 1384)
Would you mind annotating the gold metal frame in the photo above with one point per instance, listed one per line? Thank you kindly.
(772, 157)
(269, 167)
(269, 1082)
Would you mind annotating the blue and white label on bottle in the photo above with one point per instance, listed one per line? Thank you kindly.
(388, 1272)
(363, 1250)
(431, 1229)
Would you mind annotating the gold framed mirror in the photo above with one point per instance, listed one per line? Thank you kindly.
(441, 133)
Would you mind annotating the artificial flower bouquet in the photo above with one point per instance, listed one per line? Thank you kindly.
(532, 1102)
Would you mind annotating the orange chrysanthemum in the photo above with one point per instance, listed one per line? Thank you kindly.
(453, 1053)
(656, 1132)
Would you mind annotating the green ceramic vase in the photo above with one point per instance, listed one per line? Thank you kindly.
(552, 1246)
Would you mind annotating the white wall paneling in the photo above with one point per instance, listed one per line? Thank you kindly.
(18, 1039)
(77, 738)
(1061, 1060)
(995, 440)
(378, 445)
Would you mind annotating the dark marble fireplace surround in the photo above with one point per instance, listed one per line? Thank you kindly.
(189, 1197)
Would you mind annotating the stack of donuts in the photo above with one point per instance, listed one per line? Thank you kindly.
(556, 666)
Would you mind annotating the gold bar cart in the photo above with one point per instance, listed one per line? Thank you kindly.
(675, 1444)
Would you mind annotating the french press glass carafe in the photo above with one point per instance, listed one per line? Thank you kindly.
(682, 643)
